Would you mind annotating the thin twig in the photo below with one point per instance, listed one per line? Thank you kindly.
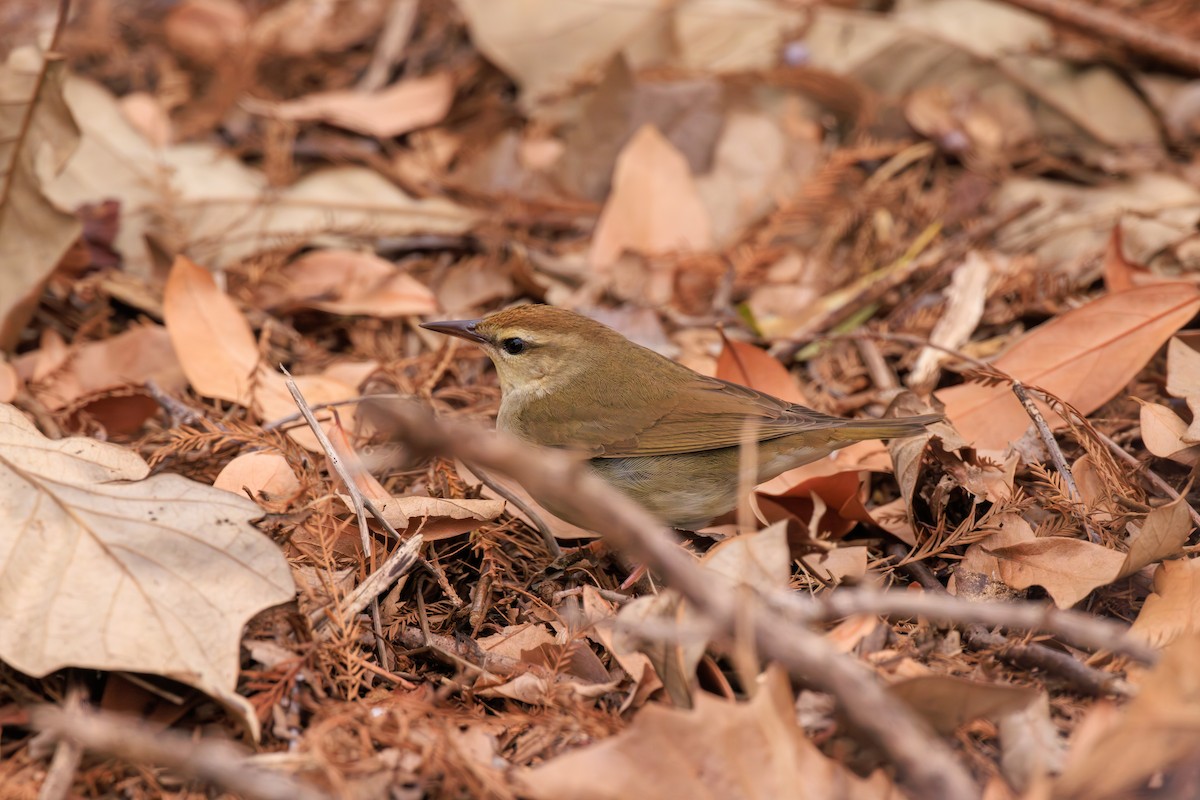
(397, 30)
(398, 564)
(1078, 630)
(924, 762)
(67, 755)
(298, 416)
(871, 289)
(1151, 477)
(534, 517)
(1080, 676)
(359, 501)
(220, 764)
(1139, 37)
(1056, 455)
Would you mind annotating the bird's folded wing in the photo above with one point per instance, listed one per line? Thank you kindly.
(710, 415)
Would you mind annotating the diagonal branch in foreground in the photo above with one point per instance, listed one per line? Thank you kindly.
(924, 762)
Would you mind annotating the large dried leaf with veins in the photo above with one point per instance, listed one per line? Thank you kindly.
(35, 127)
(104, 568)
(1085, 357)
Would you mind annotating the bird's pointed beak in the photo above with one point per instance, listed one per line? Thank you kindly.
(462, 328)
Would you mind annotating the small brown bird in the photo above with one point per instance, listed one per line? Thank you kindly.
(663, 434)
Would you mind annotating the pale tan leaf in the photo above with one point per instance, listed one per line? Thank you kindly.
(1173, 610)
(1069, 228)
(560, 528)
(103, 568)
(758, 559)
(273, 401)
(733, 35)
(131, 358)
(36, 128)
(849, 633)
(349, 282)
(654, 206)
(303, 28)
(947, 702)
(1084, 356)
(977, 575)
(1163, 534)
(1030, 747)
(212, 339)
(964, 308)
(513, 640)
(839, 564)
(264, 475)
(1068, 569)
(1183, 378)
(10, 382)
(439, 518)
(402, 107)
(1163, 433)
(200, 198)
(755, 163)
(599, 613)
(146, 114)
(718, 750)
(1160, 728)
(1183, 366)
(544, 45)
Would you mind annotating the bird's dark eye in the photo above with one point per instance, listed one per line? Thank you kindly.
(513, 345)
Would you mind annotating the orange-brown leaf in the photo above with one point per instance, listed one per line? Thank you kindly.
(1085, 356)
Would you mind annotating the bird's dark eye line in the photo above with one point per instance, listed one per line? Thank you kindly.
(513, 345)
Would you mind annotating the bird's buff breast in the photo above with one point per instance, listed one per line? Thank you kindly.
(686, 491)
(689, 490)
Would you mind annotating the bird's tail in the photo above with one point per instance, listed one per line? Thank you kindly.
(861, 429)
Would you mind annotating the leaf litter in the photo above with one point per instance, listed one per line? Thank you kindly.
(195, 196)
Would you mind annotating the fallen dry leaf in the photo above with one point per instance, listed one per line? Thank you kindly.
(198, 198)
(1030, 745)
(544, 45)
(717, 750)
(105, 568)
(1163, 433)
(733, 35)
(965, 299)
(1183, 378)
(273, 401)
(10, 382)
(1068, 569)
(402, 107)
(146, 114)
(1121, 274)
(1084, 356)
(212, 339)
(439, 518)
(348, 282)
(559, 527)
(947, 702)
(654, 206)
(1173, 609)
(600, 613)
(263, 476)
(1162, 534)
(34, 233)
(978, 574)
(1160, 728)
(69, 376)
(1070, 227)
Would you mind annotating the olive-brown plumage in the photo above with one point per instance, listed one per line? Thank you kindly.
(660, 432)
